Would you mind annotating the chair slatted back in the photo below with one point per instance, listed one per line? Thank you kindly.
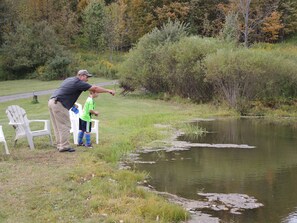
(16, 114)
(74, 116)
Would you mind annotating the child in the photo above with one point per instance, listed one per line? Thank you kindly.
(85, 123)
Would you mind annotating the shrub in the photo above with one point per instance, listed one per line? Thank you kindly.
(105, 69)
(141, 65)
(55, 69)
(242, 75)
(185, 68)
(174, 67)
(168, 61)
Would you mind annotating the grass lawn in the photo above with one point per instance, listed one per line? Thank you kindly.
(87, 186)
(23, 86)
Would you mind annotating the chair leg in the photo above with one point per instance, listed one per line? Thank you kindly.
(51, 139)
(75, 136)
(97, 137)
(30, 141)
(6, 148)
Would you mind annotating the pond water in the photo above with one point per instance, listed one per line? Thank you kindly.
(267, 172)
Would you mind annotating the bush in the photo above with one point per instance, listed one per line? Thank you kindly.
(54, 69)
(4, 75)
(185, 68)
(242, 75)
(168, 61)
(142, 63)
(105, 69)
(175, 67)
(29, 47)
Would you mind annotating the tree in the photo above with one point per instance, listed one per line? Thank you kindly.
(6, 16)
(245, 10)
(58, 14)
(230, 31)
(174, 11)
(29, 47)
(115, 25)
(253, 15)
(65, 21)
(93, 22)
(205, 18)
(272, 26)
(288, 10)
(139, 19)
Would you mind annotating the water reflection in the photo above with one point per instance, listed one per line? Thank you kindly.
(267, 172)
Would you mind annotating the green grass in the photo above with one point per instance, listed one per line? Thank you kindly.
(87, 186)
(23, 86)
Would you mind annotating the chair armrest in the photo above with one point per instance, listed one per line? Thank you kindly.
(38, 120)
(95, 120)
(46, 123)
(95, 123)
(15, 123)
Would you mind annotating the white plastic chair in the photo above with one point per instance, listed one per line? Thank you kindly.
(74, 119)
(18, 119)
(2, 139)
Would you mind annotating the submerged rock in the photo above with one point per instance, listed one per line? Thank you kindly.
(234, 202)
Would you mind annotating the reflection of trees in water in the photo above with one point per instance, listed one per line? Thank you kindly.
(244, 130)
(219, 131)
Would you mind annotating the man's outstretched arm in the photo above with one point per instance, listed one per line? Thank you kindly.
(101, 90)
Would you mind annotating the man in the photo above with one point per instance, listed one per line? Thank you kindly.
(62, 100)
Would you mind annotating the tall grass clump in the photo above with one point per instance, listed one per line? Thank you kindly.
(192, 129)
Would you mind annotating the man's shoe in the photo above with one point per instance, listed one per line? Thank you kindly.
(89, 146)
(81, 144)
(67, 150)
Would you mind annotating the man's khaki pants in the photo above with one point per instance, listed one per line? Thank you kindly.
(61, 124)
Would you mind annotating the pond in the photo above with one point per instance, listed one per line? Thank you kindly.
(267, 170)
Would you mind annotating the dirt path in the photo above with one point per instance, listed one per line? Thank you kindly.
(46, 92)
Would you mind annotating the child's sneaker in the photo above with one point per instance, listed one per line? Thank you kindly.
(89, 146)
(81, 144)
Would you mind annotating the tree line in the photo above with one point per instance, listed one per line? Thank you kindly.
(116, 25)
(122, 22)
(204, 50)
